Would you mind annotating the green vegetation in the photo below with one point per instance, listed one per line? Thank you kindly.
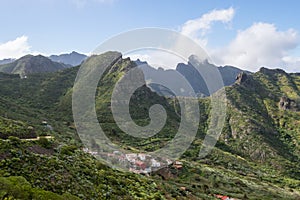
(256, 157)
(15, 128)
(17, 187)
(65, 169)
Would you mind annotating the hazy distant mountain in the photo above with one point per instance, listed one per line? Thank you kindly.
(73, 58)
(6, 61)
(228, 73)
(190, 73)
(167, 78)
(32, 64)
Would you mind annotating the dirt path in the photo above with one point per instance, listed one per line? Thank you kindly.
(38, 138)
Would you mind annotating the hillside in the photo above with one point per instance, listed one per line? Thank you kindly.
(32, 64)
(61, 160)
(256, 157)
(264, 109)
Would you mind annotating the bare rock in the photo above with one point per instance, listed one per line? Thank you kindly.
(286, 103)
(241, 78)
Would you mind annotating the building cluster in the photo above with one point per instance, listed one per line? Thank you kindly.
(139, 163)
(144, 163)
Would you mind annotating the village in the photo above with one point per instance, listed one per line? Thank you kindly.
(139, 163)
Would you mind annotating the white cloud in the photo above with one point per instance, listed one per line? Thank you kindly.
(259, 45)
(198, 28)
(15, 48)
(292, 63)
(158, 58)
(195, 29)
(262, 44)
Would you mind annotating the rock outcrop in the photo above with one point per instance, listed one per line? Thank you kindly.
(241, 78)
(286, 103)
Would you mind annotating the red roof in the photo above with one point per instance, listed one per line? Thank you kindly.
(140, 164)
(222, 197)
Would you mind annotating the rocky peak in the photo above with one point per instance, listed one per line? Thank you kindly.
(271, 71)
(241, 78)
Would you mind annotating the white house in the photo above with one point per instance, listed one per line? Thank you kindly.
(154, 163)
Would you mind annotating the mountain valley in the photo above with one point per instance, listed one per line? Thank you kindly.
(256, 157)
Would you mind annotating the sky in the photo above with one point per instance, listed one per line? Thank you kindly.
(245, 34)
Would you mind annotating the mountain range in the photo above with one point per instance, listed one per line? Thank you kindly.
(256, 156)
(38, 64)
(6, 61)
(72, 58)
(190, 72)
(32, 64)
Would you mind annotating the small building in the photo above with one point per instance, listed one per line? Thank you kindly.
(222, 197)
(178, 165)
(155, 163)
(131, 157)
(142, 156)
(147, 170)
(140, 165)
(169, 162)
(86, 150)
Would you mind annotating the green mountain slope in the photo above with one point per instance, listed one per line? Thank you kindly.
(256, 157)
(259, 127)
(32, 64)
(63, 166)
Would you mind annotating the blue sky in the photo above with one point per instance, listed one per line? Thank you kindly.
(56, 26)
